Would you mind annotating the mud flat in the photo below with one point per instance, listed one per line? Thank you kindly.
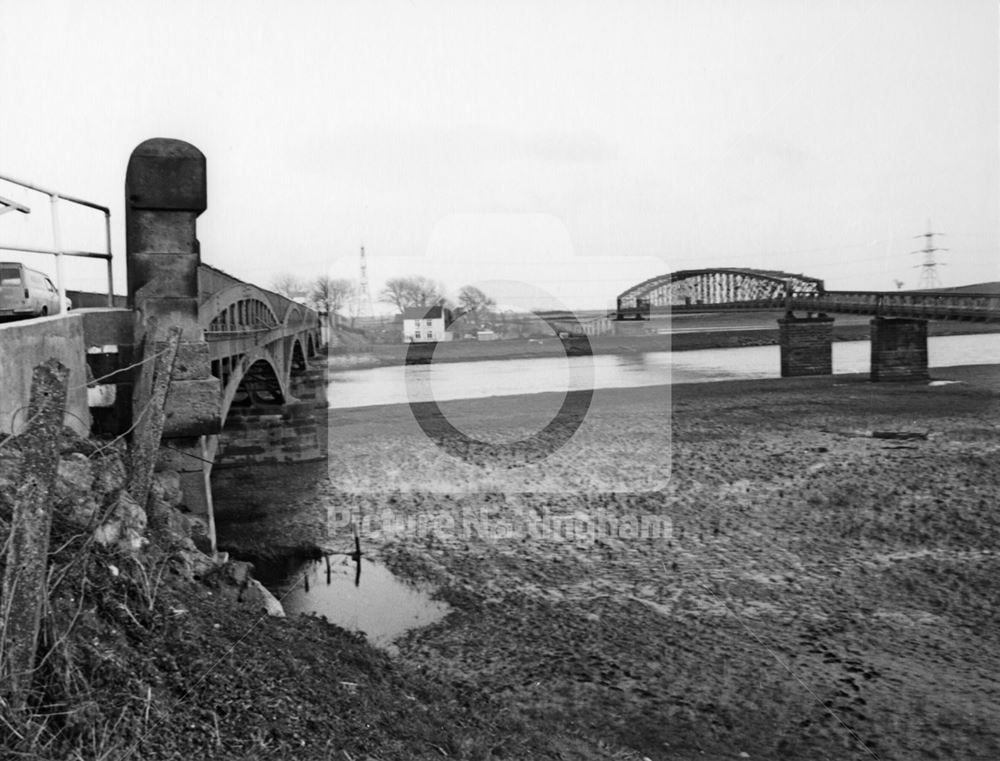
(824, 581)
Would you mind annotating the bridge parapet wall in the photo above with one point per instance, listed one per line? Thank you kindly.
(23, 345)
(806, 345)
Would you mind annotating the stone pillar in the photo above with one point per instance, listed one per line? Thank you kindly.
(165, 192)
(806, 345)
(899, 349)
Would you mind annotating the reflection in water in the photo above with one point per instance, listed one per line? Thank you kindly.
(380, 605)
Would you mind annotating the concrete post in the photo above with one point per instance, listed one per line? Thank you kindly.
(899, 349)
(25, 573)
(166, 191)
(806, 345)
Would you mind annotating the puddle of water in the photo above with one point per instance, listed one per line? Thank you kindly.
(381, 606)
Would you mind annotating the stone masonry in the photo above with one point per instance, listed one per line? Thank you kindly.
(899, 349)
(806, 345)
(293, 432)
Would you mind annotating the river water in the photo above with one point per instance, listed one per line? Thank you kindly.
(472, 380)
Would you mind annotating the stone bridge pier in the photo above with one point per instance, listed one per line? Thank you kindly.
(898, 347)
(806, 345)
(165, 192)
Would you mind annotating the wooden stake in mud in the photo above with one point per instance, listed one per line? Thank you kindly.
(147, 436)
(28, 547)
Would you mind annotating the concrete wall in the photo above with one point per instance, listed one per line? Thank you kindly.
(806, 345)
(92, 300)
(28, 343)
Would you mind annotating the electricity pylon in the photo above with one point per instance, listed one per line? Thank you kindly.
(928, 275)
(365, 306)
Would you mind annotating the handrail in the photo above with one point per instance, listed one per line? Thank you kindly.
(57, 250)
(926, 305)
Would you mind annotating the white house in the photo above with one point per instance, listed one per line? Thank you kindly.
(426, 324)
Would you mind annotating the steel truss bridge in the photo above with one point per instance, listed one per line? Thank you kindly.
(752, 289)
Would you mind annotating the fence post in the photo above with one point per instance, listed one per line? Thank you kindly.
(147, 436)
(24, 577)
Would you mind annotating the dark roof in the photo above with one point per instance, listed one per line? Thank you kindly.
(422, 313)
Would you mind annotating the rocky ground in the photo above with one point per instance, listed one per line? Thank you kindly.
(827, 587)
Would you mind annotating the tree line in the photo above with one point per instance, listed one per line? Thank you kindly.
(334, 295)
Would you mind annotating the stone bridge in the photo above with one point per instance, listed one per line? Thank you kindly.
(898, 325)
(247, 386)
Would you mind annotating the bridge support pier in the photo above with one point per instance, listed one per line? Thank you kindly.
(166, 191)
(899, 349)
(191, 458)
(806, 345)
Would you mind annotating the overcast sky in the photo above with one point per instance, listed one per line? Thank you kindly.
(576, 147)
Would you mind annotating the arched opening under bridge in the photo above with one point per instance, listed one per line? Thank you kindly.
(259, 386)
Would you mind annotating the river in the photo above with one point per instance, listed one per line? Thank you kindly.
(472, 380)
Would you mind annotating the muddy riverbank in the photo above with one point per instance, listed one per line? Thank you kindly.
(819, 591)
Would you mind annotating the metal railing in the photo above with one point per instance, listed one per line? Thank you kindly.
(57, 249)
(981, 307)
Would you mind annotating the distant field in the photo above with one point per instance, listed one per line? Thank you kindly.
(991, 288)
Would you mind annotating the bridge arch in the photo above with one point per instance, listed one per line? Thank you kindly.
(297, 358)
(251, 379)
(295, 315)
(238, 309)
(720, 285)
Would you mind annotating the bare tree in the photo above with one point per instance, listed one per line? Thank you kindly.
(330, 295)
(425, 292)
(474, 302)
(396, 292)
(288, 285)
(413, 291)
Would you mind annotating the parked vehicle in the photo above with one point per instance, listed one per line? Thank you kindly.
(25, 292)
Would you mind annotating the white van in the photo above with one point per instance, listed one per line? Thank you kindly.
(25, 292)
